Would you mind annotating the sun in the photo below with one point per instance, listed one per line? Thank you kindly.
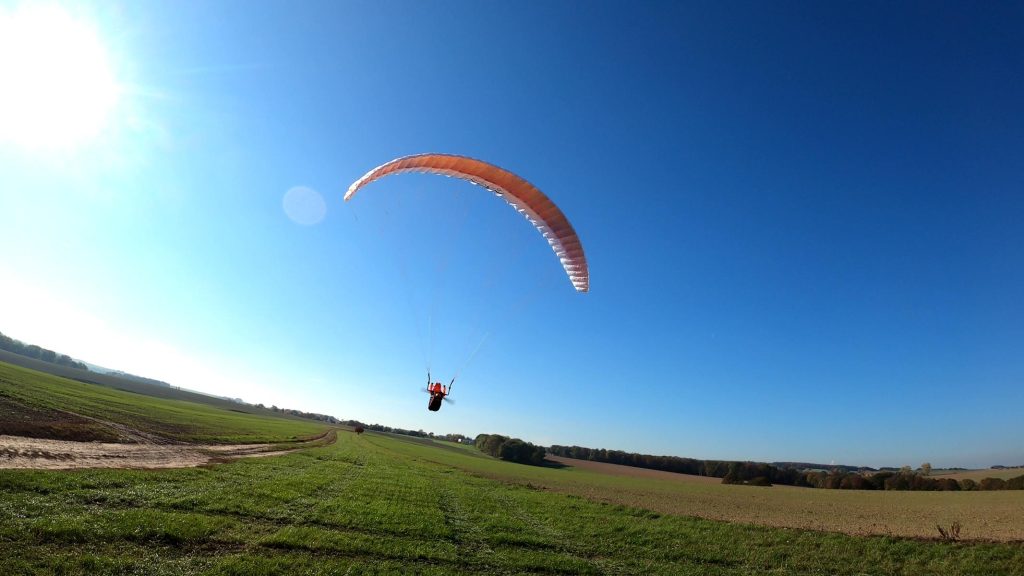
(57, 88)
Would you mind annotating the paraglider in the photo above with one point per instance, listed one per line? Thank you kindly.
(529, 201)
(438, 393)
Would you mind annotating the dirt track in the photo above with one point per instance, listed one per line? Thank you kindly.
(40, 454)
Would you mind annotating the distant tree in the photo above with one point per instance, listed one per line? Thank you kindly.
(993, 484)
(65, 360)
(968, 484)
(814, 479)
(854, 481)
(733, 476)
(905, 470)
(901, 481)
(877, 480)
(710, 468)
(926, 469)
(919, 482)
(1016, 483)
(492, 443)
(511, 449)
(834, 480)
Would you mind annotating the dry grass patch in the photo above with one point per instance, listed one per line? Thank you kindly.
(978, 475)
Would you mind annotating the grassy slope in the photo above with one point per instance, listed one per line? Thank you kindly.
(377, 504)
(41, 393)
(129, 385)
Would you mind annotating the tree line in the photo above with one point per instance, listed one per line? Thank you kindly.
(511, 449)
(415, 433)
(299, 413)
(713, 468)
(764, 474)
(32, 351)
(905, 480)
(387, 429)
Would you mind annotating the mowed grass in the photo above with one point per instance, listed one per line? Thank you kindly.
(996, 515)
(50, 397)
(375, 504)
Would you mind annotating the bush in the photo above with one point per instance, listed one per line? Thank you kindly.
(993, 484)
(877, 481)
(854, 481)
(815, 479)
(901, 481)
(950, 535)
(510, 449)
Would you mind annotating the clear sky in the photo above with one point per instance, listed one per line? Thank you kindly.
(803, 220)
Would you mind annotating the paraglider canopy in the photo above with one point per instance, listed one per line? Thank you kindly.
(523, 196)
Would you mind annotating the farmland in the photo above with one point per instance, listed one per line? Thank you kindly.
(1003, 473)
(378, 503)
(993, 515)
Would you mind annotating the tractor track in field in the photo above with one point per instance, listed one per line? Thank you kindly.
(468, 537)
(560, 540)
(146, 451)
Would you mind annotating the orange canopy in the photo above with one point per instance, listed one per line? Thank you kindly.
(522, 195)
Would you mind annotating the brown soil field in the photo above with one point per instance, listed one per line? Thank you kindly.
(19, 420)
(45, 454)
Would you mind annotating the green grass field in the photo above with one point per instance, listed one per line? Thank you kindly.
(393, 504)
(995, 515)
(378, 504)
(36, 404)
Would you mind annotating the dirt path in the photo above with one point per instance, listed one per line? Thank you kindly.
(40, 454)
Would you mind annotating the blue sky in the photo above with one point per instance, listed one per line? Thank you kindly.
(802, 219)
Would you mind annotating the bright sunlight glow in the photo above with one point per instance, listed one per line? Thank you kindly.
(57, 85)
